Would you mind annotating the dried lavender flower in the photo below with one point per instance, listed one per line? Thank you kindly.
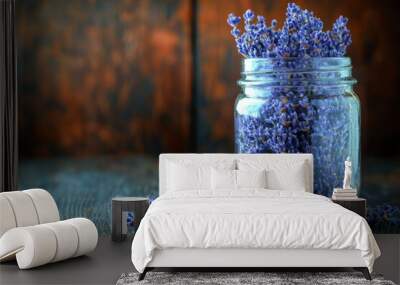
(301, 35)
(287, 120)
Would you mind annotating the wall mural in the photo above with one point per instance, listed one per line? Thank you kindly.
(104, 76)
(116, 77)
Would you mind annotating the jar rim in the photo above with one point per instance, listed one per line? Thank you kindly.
(265, 71)
(259, 65)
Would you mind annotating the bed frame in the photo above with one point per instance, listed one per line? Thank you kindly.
(249, 259)
(245, 259)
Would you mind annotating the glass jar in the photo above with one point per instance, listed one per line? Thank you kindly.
(301, 106)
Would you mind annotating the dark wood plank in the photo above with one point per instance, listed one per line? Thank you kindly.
(100, 77)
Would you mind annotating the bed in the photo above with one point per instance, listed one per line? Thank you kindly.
(245, 211)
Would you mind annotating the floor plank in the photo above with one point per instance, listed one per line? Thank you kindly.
(103, 266)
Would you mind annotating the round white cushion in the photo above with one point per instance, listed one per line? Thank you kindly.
(24, 211)
(32, 246)
(46, 207)
(67, 240)
(41, 244)
(87, 235)
(31, 232)
(26, 208)
(7, 219)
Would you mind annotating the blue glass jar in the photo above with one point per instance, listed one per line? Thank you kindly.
(301, 106)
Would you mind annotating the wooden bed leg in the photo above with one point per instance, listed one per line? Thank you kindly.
(364, 271)
(143, 274)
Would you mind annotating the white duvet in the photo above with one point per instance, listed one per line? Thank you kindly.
(250, 219)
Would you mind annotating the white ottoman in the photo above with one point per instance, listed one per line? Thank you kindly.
(31, 232)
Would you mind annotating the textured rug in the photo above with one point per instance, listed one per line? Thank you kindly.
(269, 278)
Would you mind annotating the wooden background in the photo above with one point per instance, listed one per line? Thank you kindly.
(124, 76)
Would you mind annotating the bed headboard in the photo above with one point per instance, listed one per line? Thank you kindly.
(306, 157)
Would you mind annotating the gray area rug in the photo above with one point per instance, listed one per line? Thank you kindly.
(273, 278)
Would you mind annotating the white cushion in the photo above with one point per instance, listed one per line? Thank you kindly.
(87, 233)
(31, 232)
(7, 218)
(66, 237)
(45, 205)
(186, 175)
(32, 246)
(26, 208)
(281, 174)
(23, 208)
(223, 179)
(231, 180)
(40, 244)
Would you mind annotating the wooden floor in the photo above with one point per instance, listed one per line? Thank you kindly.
(106, 264)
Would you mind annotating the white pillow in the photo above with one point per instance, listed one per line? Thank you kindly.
(251, 178)
(188, 175)
(223, 179)
(226, 179)
(281, 174)
(293, 178)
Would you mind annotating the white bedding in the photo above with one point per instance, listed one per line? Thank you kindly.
(250, 219)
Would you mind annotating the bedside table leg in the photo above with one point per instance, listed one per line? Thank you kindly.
(364, 271)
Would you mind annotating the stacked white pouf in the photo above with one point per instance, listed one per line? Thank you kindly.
(31, 231)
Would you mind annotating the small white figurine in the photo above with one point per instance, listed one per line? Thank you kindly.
(347, 174)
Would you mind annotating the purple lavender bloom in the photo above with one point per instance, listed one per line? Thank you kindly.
(300, 36)
(248, 15)
(130, 219)
(233, 20)
(291, 120)
(340, 37)
(274, 23)
(235, 32)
